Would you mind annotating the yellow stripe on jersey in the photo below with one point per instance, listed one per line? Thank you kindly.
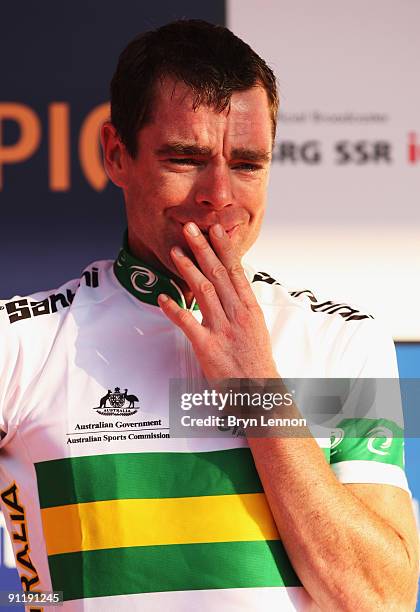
(149, 522)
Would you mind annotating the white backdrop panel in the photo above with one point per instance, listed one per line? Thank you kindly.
(344, 201)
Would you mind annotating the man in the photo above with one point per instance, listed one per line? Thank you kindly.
(101, 502)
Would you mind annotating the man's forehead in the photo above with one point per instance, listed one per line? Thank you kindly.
(174, 114)
(169, 91)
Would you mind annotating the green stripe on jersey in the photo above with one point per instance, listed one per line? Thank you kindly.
(147, 476)
(368, 440)
(184, 567)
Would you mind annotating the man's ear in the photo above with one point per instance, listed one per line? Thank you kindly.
(115, 155)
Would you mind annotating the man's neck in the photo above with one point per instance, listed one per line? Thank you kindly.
(148, 258)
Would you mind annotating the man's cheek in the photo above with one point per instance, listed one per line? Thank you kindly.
(176, 182)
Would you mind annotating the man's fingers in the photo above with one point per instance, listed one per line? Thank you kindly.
(223, 247)
(213, 268)
(181, 318)
(202, 288)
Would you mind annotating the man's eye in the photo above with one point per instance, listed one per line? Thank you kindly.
(247, 167)
(184, 161)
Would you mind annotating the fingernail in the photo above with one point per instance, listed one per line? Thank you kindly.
(178, 251)
(163, 297)
(218, 230)
(193, 229)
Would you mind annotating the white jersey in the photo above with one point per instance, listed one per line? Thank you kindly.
(101, 502)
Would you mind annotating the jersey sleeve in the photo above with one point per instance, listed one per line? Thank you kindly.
(9, 355)
(367, 441)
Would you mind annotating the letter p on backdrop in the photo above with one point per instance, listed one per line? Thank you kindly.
(29, 138)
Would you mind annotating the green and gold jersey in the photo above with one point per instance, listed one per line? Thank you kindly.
(102, 503)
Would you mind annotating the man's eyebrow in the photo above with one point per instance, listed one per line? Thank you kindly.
(252, 155)
(183, 148)
(190, 149)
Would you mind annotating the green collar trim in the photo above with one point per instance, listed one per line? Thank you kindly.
(145, 282)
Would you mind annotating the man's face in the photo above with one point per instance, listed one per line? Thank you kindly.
(200, 166)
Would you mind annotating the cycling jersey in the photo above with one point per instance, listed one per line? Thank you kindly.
(101, 502)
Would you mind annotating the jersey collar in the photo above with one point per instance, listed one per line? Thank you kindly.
(145, 282)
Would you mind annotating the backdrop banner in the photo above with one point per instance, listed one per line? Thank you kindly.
(59, 211)
(343, 216)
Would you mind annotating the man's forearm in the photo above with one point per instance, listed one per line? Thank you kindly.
(346, 556)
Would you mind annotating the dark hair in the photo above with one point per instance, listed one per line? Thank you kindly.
(208, 58)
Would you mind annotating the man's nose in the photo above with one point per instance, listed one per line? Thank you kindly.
(214, 187)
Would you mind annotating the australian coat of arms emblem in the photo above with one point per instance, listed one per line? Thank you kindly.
(116, 403)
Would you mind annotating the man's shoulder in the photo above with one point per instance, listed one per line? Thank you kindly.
(42, 306)
(271, 291)
(344, 336)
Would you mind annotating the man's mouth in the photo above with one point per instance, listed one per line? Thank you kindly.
(205, 230)
(232, 230)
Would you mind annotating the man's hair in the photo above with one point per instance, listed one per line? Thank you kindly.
(208, 58)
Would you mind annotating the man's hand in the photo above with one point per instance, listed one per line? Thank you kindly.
(233, 340)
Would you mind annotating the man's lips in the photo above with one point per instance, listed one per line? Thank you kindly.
(232, 230)
(205, 229)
